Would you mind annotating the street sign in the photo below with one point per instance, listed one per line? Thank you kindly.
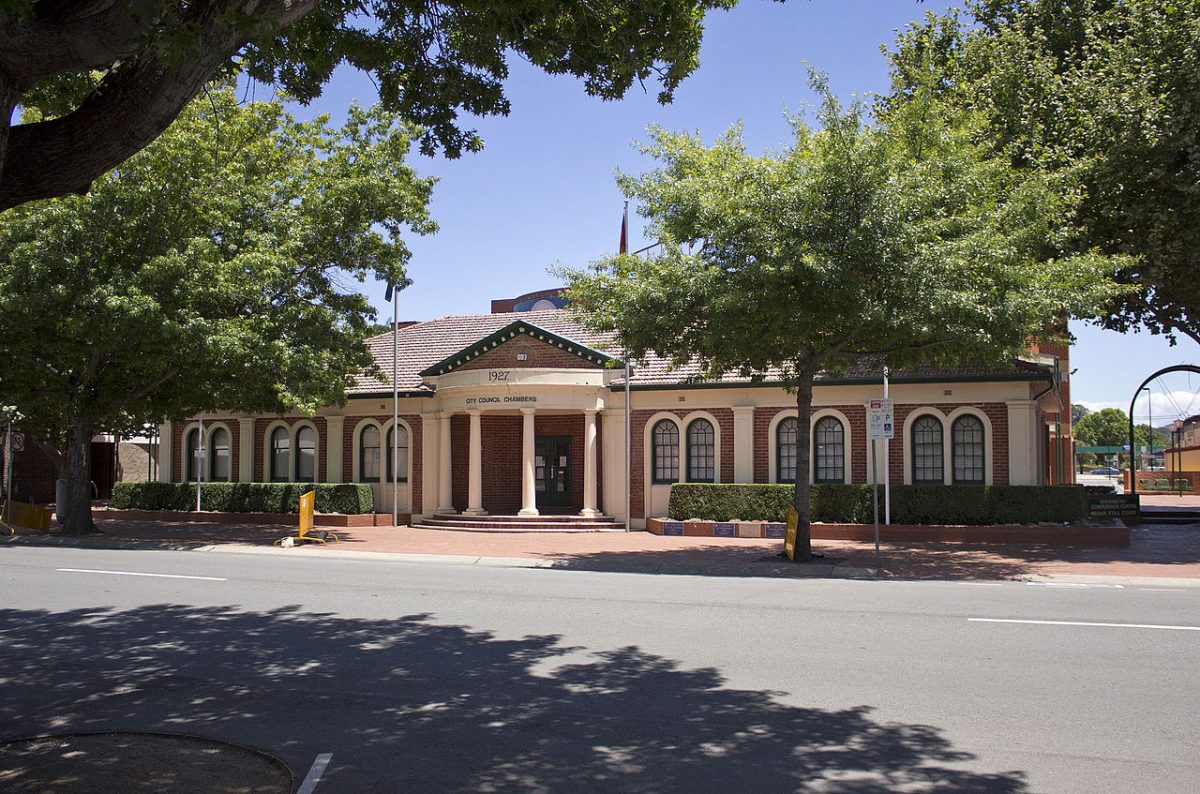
(18, 442)
(789, 539)
(881, 419)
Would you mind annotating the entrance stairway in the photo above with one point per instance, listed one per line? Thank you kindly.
(1155, 514)
(570, 523)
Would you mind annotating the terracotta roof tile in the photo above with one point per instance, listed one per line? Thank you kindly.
(421, 345)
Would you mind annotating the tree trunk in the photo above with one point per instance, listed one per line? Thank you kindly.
(804, 395)
(76, 513)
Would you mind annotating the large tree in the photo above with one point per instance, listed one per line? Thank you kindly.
(1107, 89)
(899, 242)
(212, 270)
(107, 76)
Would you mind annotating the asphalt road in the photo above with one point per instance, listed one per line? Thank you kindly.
(443, 677)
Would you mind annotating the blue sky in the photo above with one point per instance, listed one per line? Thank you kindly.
(543, 192)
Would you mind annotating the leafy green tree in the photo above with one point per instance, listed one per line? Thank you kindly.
(113, 74)
(1078, 412)
(210, 270)
(1108, 91)
(899, 242)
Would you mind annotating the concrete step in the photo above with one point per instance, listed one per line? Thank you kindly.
(483, 526)
(570, 518)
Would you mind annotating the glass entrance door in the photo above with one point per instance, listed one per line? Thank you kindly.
(552, 470)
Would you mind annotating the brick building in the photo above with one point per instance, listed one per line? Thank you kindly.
(522, 412)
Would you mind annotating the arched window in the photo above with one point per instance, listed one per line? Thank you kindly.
(829, 450)
(927, 451)
(219, 456)
(368, 454)
(306, 454)
(665, 451)
(967, 452)
(281, 446)
(191, 456)
(701, 451)
(401, 454)
(786, 449)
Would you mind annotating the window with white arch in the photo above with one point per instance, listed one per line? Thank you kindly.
(368, 454)
(967, 451)
(787, 434)
(829, 450)
(192, 456)
(219, 462)
(401, 453)
(280, 454)
(664, 448)
(927, 461)
(306, 454)
(701, 451)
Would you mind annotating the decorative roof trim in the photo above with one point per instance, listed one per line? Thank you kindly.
(775, 384)
(508, 333)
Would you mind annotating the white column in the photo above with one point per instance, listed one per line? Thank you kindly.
(475, 467)
(743, 443)
(164, 452)
(1024, 444)
(589, 465)
(429, 465)
(335, 427)
(528, 486)
(613, 455)
(245, 472)
(445, 481)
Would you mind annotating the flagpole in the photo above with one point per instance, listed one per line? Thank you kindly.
(395, 413)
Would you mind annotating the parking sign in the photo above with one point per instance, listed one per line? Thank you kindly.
(881, 419)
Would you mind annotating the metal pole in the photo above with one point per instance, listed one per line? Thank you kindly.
(628, 451)
(875, 496)
(8, 463)
(395, 415)
(200, 463)
(887, 464)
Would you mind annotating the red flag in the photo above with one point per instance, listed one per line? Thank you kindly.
(625, 230)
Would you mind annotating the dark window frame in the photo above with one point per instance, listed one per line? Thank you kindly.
(711, 453)
(387, 451)
(272, 455)
(315, 458)
(362, 449)
(917, 446)
(656, 449)
(787, 421)
(840, 457)
(191, 454)
(954, 450)
(211, 449)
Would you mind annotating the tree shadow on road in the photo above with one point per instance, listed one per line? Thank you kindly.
(408, 704)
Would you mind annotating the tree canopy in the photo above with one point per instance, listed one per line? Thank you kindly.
(1109, 427)
(108, 76)
(213, 269)
(1108, 90)
(901, 243)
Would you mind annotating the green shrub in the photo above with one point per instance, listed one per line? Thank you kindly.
(911, 504)
(242, 497)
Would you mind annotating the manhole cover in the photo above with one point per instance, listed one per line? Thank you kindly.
(136, 762)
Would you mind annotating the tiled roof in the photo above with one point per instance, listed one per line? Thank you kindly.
(424, 344)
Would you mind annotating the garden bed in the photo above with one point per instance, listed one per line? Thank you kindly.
(210, 517)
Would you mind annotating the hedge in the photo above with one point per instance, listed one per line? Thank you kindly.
(911, 504)
(242, 497)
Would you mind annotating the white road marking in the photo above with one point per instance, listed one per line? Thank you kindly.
(1082, 623)
(1163, 589)
(135, 573)
(314, 774)
(1077, 585)
(982, 584)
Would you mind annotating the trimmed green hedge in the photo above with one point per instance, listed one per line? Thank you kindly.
(911, 504)
(242, 497)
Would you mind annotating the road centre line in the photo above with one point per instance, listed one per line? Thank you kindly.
(1163, 589)
(314, 774)
(136, 573)
(1084, 623)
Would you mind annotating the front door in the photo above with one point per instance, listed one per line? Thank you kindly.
(552, 470)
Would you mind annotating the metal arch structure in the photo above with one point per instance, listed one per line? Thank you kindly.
(1132, 402)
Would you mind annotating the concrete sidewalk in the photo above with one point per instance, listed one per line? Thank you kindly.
(1156, 552)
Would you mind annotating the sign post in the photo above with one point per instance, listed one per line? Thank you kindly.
(789, 538)
(881, 421)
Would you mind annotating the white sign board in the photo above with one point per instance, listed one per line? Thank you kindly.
(881, 419)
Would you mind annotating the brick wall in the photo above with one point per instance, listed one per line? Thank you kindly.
(997, 414)
(178, 453)
(639, 418)
(764, 439)
(415, 442)
(540, 354)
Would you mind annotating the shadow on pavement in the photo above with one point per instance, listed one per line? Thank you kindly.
(408, 704)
